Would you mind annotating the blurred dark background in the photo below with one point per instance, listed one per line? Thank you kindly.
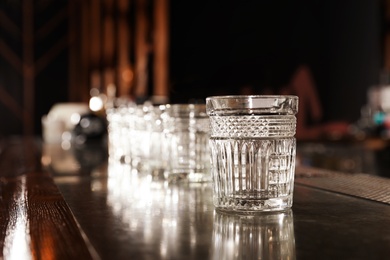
(57, 50)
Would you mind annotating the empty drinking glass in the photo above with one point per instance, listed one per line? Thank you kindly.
(252, 151)
(186, 128)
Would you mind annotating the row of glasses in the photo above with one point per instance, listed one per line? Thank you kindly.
(244, 144)
(169, 141)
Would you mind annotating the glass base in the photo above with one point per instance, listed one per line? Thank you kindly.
(187, 176)
(251, 205)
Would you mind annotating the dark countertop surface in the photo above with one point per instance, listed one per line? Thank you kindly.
(75, 204)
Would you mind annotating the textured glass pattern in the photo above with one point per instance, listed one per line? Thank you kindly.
(253, 126)
(253, 174)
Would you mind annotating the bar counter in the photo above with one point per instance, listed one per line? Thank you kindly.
(77, 204)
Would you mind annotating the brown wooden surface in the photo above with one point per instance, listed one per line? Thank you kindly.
(35, 220)
(124, 215)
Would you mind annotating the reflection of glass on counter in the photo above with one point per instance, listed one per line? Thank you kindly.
(265, 236)
(167, 217)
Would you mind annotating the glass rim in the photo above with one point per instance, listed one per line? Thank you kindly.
(251, 96)
(179, 109)
(249, 104)
(184, 105)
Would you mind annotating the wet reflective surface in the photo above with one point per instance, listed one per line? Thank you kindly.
(107, 210)
(35, 221)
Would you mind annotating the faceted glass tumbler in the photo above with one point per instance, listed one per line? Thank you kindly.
(253, 151)
(186, 129)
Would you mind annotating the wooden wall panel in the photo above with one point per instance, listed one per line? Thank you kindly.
(161, 46)
(112, 45)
